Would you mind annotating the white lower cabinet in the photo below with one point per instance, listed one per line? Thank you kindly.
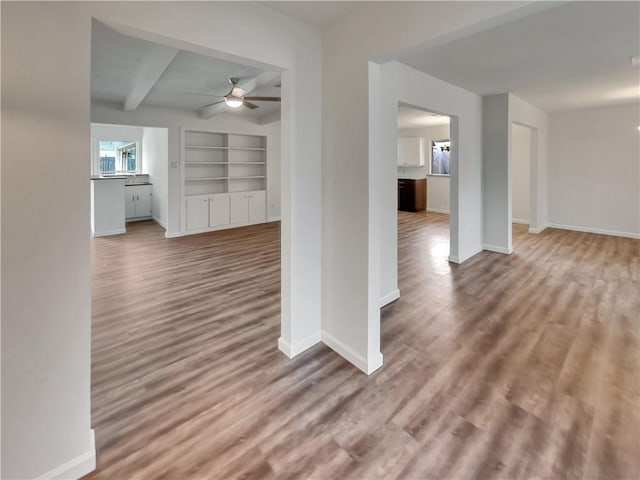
(257, 206)
(198, 212)
(137, 201)
(222, 209)
(219, 210)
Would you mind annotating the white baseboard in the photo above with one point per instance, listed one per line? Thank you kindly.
(454, 259)
(599, 231)
(368, 366)
(457, 259)
(390, 297)
(106, 233)
(521, 222)
(292, 350)
(159, 222)
(537, 229)
(76, 467)
(437, 210)
(274, 219)
(497, 249)
(173, 234)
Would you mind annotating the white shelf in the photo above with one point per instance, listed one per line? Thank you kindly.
(247, 177)
(207, 147)
(205, 179)
(206, 163)
(257, 149)
(247, 163)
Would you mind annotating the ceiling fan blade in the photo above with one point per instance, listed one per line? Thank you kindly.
(204, 94)
(212, 104)
(263, 99)
(249, 105)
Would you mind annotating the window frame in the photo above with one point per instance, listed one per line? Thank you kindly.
(95, 157)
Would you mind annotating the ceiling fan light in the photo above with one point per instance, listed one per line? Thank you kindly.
(233, 101)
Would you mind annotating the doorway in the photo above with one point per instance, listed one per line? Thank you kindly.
(522, 156)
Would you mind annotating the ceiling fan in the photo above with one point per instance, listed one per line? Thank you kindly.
(236, 97)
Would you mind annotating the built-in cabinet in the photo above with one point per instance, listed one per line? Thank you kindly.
(411, 152)
(225, 180)
(137, 201)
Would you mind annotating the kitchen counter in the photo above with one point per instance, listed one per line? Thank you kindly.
(137, 184)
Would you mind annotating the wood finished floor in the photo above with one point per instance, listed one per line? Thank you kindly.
(521, 366)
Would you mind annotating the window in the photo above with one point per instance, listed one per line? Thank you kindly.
(440, 150)
(117, 156)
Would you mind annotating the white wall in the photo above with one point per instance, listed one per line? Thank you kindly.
(155, 162)
(45, 101)
(499, 113)
(438, 186)
(520, 177)
(174, 119)
(351, 230)
(412, 87)
(594, 172)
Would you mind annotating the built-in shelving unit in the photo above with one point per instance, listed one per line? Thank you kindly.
(217, 163)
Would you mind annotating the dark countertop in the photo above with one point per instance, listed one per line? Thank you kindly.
(137, 184)
(110, 177)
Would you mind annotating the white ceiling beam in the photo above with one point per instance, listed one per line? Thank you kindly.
(212, 110)
(150, 71)
(269, 118)
(264, 79)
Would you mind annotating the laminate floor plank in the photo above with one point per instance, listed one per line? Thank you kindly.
(505, 367)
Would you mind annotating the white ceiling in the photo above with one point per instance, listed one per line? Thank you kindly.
(320, 14)
(575, 55)
(116, 61)
(410, 118)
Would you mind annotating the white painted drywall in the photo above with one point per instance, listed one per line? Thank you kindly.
(174, 119)
(155, 155)
(523, 113)
(404, 84)
(438, 187)
(45, 200)
(594, 169)
(351, 218)
(107, 207)
(496, 195)
(499, 113)
(520, 176)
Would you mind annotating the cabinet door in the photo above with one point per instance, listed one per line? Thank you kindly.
(410, 152)
(219, 210)
(197, 213)
(143, 201)
(257, 206)
(239, 207)
(129, 202)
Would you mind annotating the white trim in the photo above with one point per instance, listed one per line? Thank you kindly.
(537, 229)
(521, 222)
(106, 233)
(599, 231)
(368, 366)
(274, 219)
(437, 210)
(456, 259)
(390, 297)
(292, 350)
(173, 234)
(157, 220)
(76, 467)
(497, 249)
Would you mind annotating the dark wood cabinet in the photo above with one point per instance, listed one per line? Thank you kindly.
(412, 194)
